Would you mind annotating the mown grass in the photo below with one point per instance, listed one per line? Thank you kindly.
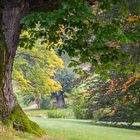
(71, 129)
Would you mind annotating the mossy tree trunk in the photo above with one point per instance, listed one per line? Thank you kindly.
(10, 14)
(9, 33)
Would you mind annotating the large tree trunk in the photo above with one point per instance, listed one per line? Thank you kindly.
(60, 99)
(10, 14)
(9, 33)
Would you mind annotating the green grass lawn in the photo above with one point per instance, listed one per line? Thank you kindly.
(71, 129)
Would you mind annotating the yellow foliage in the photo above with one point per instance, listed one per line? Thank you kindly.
(39, 68)
(62, 28)
(25, 33)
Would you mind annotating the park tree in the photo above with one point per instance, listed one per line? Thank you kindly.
(65, 76)
(11, 13)
(90, 33)
(34, 72)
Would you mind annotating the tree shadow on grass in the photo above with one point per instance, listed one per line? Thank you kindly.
(75, 121)
(117, 125)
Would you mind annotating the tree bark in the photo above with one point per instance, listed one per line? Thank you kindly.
(10, 15)
(10, 112)
(60, 99)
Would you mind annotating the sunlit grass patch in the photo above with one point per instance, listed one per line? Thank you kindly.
(72, 129)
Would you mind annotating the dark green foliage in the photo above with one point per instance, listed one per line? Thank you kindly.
(67, 75)
(46, 103)
(74, 28)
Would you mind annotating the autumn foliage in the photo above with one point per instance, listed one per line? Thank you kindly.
(122, 85)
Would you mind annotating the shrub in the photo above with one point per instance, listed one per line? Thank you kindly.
(45, 103)
(60, 113)
(80, 106)
(54, 113)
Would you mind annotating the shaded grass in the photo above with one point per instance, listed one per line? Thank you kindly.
(135, 126)
(66, 129)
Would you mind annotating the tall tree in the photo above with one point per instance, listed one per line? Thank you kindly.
(11, 13)
(34, 72)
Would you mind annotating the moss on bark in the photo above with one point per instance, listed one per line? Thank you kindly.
(22, 122)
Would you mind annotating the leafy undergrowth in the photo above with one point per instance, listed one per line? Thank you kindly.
(55, 113)
(11, 134)
(72, 129)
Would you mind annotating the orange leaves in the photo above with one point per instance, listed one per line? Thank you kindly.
(125, 87)
(131, 80)
(133, 18)
(127, 82)
(111, 87)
